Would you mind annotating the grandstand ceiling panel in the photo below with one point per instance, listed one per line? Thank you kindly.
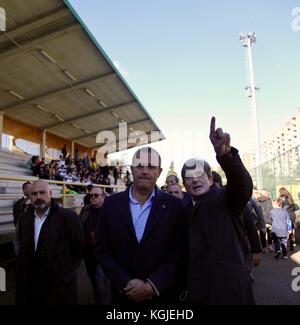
(55, 76)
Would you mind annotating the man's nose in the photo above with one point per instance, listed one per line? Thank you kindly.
(145, 169)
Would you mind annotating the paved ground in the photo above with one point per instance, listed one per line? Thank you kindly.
(272, 285)
(273, 280)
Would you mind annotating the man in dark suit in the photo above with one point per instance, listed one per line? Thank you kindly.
(89, 217)
(218, 272)
(20, 207)
(51, 245)
(142, 237)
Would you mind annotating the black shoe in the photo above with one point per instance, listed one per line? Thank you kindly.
(277, 255)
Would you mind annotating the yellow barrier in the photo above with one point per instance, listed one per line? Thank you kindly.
(64, 184)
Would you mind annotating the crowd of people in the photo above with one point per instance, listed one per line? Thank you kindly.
(151, 246)
(79, 169)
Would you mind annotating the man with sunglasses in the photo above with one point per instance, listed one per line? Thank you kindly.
(89, 217)
(51, 245)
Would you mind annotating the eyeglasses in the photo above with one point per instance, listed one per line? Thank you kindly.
(95, 195)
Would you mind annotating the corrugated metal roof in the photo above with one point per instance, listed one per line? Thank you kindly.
(55, 76)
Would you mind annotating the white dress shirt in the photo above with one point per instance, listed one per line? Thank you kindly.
(38, 222)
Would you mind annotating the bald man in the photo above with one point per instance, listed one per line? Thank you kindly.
(51, 245)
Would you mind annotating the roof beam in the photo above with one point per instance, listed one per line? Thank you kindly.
(79, 117)
(68, 25)
(34, 24)
(111, 129)
(75, 86)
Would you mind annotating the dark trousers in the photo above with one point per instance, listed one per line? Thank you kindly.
(263, 238)
(292, 237)
(99, 282)
(279, 242)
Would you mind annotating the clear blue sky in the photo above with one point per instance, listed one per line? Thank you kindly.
(185, 63)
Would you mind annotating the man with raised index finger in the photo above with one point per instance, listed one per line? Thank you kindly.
(217, 269)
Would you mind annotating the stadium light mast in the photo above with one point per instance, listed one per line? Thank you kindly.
(247, 39)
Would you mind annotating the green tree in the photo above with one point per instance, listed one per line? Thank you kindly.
(172, 169)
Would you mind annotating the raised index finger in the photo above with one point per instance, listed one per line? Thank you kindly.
(212, 125)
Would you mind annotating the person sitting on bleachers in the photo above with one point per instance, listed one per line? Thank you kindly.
(61, 172)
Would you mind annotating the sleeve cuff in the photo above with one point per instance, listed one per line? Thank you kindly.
(153, 286)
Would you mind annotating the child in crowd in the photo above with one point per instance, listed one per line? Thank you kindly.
(281, 225)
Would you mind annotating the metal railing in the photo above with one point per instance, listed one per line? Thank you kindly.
(64, 185)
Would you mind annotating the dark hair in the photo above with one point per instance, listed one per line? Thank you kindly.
(89, 187)
(164, 188)
(176, 178)
(192, 164)
(176, 184)
(284, 192)
(26, 183)
(217, 178)
(137, 154)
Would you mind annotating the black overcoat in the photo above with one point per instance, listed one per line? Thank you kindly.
(217, 271)
(48, 275)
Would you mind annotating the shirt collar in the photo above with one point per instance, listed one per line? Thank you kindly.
(134, 201)
(44, 216)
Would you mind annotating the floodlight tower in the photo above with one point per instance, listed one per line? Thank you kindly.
(247, 39)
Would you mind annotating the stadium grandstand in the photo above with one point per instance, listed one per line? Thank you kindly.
(58, 89)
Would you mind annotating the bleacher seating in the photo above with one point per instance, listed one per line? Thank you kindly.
(13, 164)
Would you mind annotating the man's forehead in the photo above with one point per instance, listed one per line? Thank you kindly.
(96, 190)
(174, 187)
(170, 177)
(146, 158)
(195, 168)
(39, 186)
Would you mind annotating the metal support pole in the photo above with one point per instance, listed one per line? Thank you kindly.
(43, 145)
(64, 195)
(1, 127)
(72, 149)
(247, 40)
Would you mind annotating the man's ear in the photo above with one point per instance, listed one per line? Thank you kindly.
(211, 180)
(160, 170)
